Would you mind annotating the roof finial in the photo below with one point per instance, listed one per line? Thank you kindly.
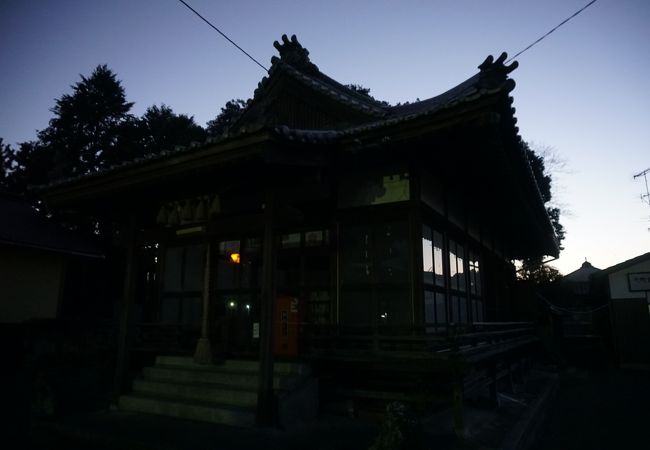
(292, 53)
(493, 73)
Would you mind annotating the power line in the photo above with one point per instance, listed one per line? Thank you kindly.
(558, 26)
(227, 38)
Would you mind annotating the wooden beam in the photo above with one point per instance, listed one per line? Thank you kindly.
(128, 295)
(266, 402)
(203, 353)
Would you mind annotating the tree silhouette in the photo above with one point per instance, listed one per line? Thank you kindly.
(533, 269)
(6, 158)
(164, 129)
(229, 114)
(87, 123)
(544, 183)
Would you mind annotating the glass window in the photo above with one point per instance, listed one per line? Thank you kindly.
(194, 268)
(290, 240)
(318, 307)
(441, 308)
(429, 307)
(356, 307)
(427, 255)
(437, 259)
(356, 254)
(463, 311)
(394, 307)
(172, 273)
(169, 311)
(391, 252)
(460, 269)
(192, 310)
(315, 238)
(455, 309)
(228, 247)
(453, 265)
(317, 270)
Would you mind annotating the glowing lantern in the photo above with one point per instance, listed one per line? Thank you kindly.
(235, 258)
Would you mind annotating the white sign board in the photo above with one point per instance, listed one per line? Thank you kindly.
(639, 281)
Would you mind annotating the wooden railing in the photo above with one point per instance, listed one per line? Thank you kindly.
(412, 339)
(333, 340)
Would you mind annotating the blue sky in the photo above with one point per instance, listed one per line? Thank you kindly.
(583, 91)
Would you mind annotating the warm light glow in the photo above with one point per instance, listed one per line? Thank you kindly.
(232, 304)
(235, 258)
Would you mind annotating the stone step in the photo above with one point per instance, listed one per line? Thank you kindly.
(244, 380)
(223, 395)
(235, 365)
(201, 411)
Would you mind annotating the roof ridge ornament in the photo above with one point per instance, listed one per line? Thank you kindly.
(294, 54)
(493, 73)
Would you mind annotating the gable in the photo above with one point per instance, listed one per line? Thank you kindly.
(297, 95)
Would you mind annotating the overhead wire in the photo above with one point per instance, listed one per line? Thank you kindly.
(224, 35)
(552, 30)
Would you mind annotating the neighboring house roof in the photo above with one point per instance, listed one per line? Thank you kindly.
(625, 264)
(22, 226)
(582, 274)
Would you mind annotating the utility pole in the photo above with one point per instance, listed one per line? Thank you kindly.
(645, 198)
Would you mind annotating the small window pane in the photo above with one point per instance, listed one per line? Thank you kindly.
(462, 280)
(441, 308)
(463, 310)
(314, 238)
(290, 240)
(392, 252)
(228, 247)
(429, 307)
(455, 309)
(356, 254)
(453, 265)
(437, 259)
(477, 277)
(427, 255)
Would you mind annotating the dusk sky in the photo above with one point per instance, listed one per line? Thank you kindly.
(583, 91)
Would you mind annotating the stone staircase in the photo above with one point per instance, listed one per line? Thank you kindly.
(224, 393)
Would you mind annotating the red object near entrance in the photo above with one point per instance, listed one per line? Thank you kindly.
(287, 316)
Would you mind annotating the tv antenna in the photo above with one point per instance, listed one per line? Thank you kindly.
(645, 198)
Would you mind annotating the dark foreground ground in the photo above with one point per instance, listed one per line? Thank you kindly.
(594, 410)
(576, 409)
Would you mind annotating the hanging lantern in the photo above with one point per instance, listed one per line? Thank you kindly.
(200, 212)
(174, 218)
(187, 213)
(215, 206)
(163, 216)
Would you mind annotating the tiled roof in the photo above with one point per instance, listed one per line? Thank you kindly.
(625, 264)
(294, 61)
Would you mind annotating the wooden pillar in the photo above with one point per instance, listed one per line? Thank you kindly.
(128, 294)
(266, 402)
(203, 353)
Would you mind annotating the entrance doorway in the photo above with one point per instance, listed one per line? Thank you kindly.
(235, 297)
